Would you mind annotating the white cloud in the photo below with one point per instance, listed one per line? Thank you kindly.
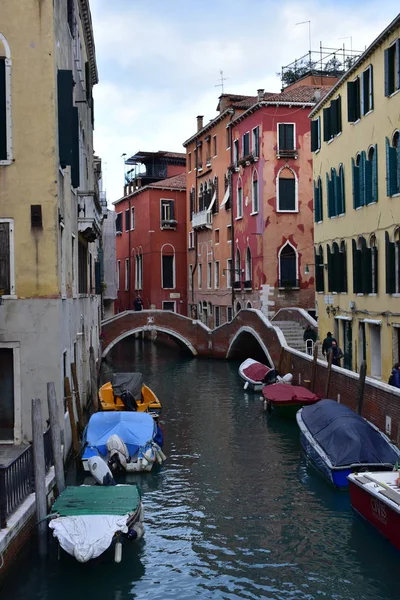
(159, 62)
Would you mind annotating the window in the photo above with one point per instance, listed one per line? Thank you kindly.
(228, 138)
(246, 144)
(393, 165)
(168, 305)
(132, 217)
(208, 151)
(332, 119)
(190, 277)
(254, 189)
(392, 260)
(236, 153)
(118, 223)
(73, 253)
(216, 274)
(392, 72)
(118, 275)
(168, 271)
(5, 103)
(189, 162)
(374, 264)
(71, 16)
(209, 275)
(236, 281)
(335, 189)
(239, 204)
(255, 147)
(217, 316)
(7, 281)
(199, 156)
(365, 177)
(367, 91)
(127, 220)
(191, 240)
(214, 141)
(286, 138)
(229, 313)
(318, 204)
(337, 268)
(288, 267)
(167, 214)
(316, 134)
(192, 202)
(229, 273)
(287, 190)
(248, 270)
(364, 279)
(127, 274)
(319, 270)
(139, 272)
(353, 100)
(375, 349)
(199, 275)
(82, 268)
(229, 233)
(216, 234)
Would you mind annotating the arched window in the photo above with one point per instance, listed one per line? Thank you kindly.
(392, 162)
(342, 268)
(237, 269)
(168, 267)
(214, 199)
(201, 198)
(239, 200)
(341, 204)
(238, 307)
(288, 267)
(318, 208)
(6, 156)
(319, 269)
(255, 194)
(374, 264)
(248, 305)
(286, 190)
(248, 269)
(192, 202)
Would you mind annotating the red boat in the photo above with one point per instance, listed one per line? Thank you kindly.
(376, 497)
(286, 399)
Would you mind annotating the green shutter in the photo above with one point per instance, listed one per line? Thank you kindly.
(330, 269)
(5, 272)
(375, 175)
(362, 178)
(390, 265)
(75, 171)
(371, 84)
(397, 177)
(398, 64)
(334, 117)
(64, 102)
(387, 75)
(319, 272)
(3, 110)
(357, 287)
(336, 268)
(351, 101)
(335, 192)
(366, 270)
(320, 197)
(339, 114)
(316, 204)
(97, 277)
(341, 192)
(356, 184)
(327, 124)
(368, 182)
(314, 135)
(375, 274)
(342, 287)
(391, 169)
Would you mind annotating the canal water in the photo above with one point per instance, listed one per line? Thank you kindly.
(233, 513)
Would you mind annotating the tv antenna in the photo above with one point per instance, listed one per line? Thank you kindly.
(222, 79)
(309, 32)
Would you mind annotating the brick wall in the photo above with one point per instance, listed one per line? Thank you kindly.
(16, 546)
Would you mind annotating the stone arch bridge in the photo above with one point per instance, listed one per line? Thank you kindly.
(248, 333)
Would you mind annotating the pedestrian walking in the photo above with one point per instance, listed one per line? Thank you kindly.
(138, 303)
(336, 352)
(394, 378)
(327, 343)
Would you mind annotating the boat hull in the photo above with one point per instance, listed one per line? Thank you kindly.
(148, 403)
(376, 512)
(287, 410)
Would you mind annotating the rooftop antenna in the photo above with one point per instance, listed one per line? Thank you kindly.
(349, 37)
(309, 34)
(221, 85)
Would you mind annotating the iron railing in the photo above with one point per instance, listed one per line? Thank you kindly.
(17, 479)
(289, 283)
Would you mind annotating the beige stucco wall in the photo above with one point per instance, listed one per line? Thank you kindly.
(377, 218)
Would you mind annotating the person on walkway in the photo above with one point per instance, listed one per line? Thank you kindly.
(327, 343)
(336, 352)
(394, 379)
(138, 303)
(309, 337)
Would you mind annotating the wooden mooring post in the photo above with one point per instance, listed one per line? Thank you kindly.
(70, 407)
(39, 469)
(77, 396)
(55, 436)
(361, 386)
(314, 367)
(281, 357)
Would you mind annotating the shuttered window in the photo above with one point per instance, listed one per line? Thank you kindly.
(6, 241)
(332, 117)
(246, 144)
(168, 271)
(390, 264)
(357, 276)
(353, 100)
(3, 110)
(318, 210)
(286, 137)
(68, 126)
(337, 268)
(336, 192)
(393, 166)
(316, 134)
(392, 68)
(367, 91)
(82, 268)
(118, 223)
(319, 270)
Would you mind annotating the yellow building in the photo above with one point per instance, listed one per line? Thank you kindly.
(355, 139)
(50, 208)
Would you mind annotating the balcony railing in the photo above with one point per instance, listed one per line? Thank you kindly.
(247, 284)
(237, 285)
(289, 284)
(199, 165)
(168, 224)
(201, 219)
(208, 161)
(292, 153)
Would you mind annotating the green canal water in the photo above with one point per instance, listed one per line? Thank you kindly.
(233, 513)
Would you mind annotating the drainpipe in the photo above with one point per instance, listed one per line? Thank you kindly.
(232, 219)
(129, 255)
(195, 232)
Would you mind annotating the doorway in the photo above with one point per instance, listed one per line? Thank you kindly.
(375, 349)
(347, 344)
(7, 395)
(362, 344)
(166, 305)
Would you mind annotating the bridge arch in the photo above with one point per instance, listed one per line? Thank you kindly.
(147, 328)
(248, 330)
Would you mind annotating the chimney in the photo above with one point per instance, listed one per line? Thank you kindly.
(260, 94)
(317, 95)
(199, 122)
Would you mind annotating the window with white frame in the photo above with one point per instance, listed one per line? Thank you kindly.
(217, 316)
(248, 269)
(286, 137)
(189, 162)
(132, 217)
(209, 275)
(118, 275)
(229, 233)
(236, 152)
(191, 240)
(5, 103)
(286, 192)
(167, 213)
(254, 194)
(239, 203)
(367, 96)
(127, 219)
(168, 271)
(392, 61)
(229, 273)
(216, 236)
(237, 268)
(138, 271)
(246, 144)
(199, 276)
(126, 274)
(214, 142)
(229, 313)
(118, 223)
(216, 274)
(255, 142)
(7, 277)
(190, 277)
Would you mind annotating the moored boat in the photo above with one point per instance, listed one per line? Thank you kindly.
(127, 441)
(87, 519)
(286, 399)
(126, 391)
(337, 442)
(254, 374)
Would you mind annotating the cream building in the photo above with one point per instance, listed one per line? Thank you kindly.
(355, 139)
(50, 207)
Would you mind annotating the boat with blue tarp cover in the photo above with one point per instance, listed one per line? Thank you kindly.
(126, 440)
(338, 442)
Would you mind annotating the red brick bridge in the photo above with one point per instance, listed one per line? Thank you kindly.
(249, 330)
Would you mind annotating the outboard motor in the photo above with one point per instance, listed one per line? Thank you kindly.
(128, 400)
(118, 453)
(271, 377)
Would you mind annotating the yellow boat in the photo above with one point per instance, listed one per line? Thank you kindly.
(126, 391)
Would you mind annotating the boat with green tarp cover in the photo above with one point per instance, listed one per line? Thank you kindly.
(87, 519)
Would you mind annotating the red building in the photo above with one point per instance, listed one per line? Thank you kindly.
(151, 233)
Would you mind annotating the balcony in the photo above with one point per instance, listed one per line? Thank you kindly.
(208, 161)
(289, 284)
(284, 153)
(248, 284)
(237, 285)
(247, 159)
(199, 165)
(168, 224)
(89, 216)
(202, 219)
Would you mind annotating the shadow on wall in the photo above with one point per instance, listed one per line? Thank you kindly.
(247, 346)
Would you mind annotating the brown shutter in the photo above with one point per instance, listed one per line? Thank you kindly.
(5, 259)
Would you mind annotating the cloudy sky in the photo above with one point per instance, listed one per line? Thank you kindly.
(159, 61)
